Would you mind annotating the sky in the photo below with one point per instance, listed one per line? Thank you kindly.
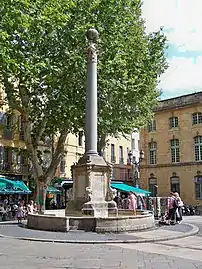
(182, 22)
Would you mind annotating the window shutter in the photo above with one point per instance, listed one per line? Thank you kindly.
(3, 118)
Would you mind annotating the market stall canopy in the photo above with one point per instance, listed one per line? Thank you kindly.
(52, 189)
(127, 188)
(8, 186)
(2, 185)
(7, 181)
(20, 185)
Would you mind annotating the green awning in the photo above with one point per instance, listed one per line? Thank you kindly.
(21, 185)
(2, 185)
(12, 186)
(6, 181)
(52, 189)
(128, 188)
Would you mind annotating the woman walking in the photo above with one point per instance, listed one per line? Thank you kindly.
(179, 207)
(172, 207)
(20, 213)
(133, 202)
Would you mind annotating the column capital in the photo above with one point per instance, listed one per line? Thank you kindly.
(92, 36)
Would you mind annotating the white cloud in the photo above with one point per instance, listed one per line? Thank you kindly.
(183, 74)
(183, 21)
(182, 17)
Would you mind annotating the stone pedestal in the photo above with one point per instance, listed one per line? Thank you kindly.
(91, 187)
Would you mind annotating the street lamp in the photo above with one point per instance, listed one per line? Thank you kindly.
(136, 166)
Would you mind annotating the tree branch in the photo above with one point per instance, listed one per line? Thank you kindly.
(50, 173)
(24, 96)
(40, 132)
(30, 147)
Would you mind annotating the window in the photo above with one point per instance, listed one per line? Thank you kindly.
(152, 126)
(6, 155)
(122, 174)
(113, 153)
(133, 144)
(6, 159)
(19, 159)
(1, 157)
(175, 183)
(8, 122)
(13, 156)
(2, 117)
(153, 185)
(128, 158)
(23, 157)
(175, 151)
(173, 122)
(121, 155)
(152, 152)
(197, 118)
(80, 138)
(129, 175)
(198, 148)
(62, 164)
(198, 185)
(114, 173)
(1, 154)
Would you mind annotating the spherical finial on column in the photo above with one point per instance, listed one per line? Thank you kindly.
(92, 35)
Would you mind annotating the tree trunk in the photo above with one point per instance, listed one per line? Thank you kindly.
(102, 142)
(41, 191)
(38, 194)
(43, 208)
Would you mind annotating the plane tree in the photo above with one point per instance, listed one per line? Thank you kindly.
(43, 70)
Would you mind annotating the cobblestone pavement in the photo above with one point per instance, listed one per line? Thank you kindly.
(176, 254)
(16, 254)
(17, 231)
(197, 220)
(12, 229)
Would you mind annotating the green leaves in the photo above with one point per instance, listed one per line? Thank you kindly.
(42, 45)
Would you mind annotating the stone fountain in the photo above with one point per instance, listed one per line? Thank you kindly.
(92, 207)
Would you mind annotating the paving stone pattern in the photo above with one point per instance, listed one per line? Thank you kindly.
(17, 231)
(16, 254)
(177, 228)
(196, 220)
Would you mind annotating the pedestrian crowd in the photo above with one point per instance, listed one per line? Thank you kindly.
(18, 209)
(132, 201)
(22, 209)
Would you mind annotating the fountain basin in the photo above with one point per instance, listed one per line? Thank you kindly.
(120, 223)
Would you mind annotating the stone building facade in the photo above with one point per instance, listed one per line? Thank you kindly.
(116, 152)
(13, 154)
(172, 143)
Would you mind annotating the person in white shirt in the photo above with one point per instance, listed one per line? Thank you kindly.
(179, 207)
(30, 207)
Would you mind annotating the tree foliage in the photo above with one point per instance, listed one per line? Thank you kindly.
(43, 67)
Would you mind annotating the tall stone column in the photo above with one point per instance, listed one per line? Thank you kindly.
(91, 95)
(91, 185)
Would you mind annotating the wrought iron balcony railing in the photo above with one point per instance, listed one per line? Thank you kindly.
(14, 168)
